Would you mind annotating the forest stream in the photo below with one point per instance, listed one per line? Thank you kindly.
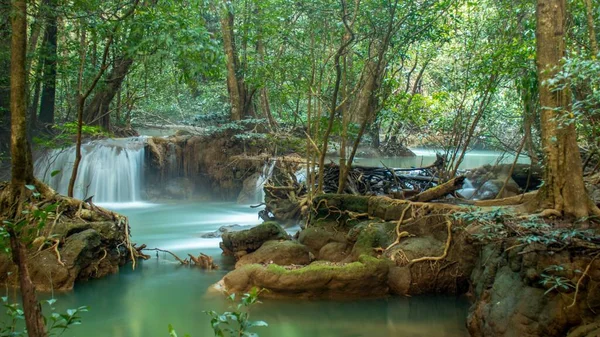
(159, 292)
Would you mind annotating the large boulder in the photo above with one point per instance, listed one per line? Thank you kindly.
(246, 241)
(518, 293)
(279, 252)
(86, 250)
(364, 278)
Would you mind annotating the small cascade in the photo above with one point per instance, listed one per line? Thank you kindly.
(266, 173)
(110, 170)
(467, 189)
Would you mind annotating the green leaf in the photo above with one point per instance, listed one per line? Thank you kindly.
(55, 172)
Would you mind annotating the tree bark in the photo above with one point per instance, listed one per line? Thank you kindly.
(4, 75)
(236, 91)
(589, 10)
(22, 167)
(97, 112)
(49, 58)
(564, 189)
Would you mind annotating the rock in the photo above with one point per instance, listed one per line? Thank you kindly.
(491, 188)
(334, 252)
(316, 237)
(399, 280)
(249, 240)
(361, 279)
(282, 253)
(224, 229)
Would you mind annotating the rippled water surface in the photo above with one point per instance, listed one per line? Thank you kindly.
(160, 292)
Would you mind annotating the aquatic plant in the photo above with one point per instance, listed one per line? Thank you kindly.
(237, 322)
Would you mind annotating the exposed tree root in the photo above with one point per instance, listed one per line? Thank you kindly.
(55, 248)
(446, 248)
(587, 269)
(399, 234)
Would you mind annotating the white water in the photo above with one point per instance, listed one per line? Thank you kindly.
(110, 170)
(266, 173)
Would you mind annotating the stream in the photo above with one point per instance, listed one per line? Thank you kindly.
(159, 292)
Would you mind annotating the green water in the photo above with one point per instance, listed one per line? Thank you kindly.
(142, 303)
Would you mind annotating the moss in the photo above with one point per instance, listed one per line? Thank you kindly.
(365, 261)
(371, 236)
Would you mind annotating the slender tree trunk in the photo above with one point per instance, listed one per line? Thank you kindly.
(236, 94)
(264, 91)
(22, 167)
(49, 58)
(589, 9)
(564, 189)
(4, 75)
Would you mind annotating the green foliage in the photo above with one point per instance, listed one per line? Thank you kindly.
(56, 323)
(498, 224)
(65, 135)
(556, 283)
(492, 222)
(237, 322)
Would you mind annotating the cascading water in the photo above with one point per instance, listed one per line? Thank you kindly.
(110, 170)
(266, 173)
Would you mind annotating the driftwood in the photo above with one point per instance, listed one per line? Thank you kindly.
(440, 191)
(203, 261)
(365, 180)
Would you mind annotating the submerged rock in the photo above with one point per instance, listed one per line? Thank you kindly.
(224, 229)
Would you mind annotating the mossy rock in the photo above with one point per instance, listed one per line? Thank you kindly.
(364, 278)
(334, 252)
(372, 235)
(249, 240)
(278, 252)
(317, 237)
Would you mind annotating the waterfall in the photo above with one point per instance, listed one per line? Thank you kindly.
(110, 169)
(266, 173)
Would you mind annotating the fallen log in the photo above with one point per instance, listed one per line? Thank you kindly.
(440, 191)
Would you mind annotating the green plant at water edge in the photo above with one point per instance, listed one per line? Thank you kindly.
(237, 322)
(30, 226)
(57, 323)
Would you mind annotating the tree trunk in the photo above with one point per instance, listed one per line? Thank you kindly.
(22, 167)
(97, 112)
(589, 10)
(236, 91)
(4, 75)
(564, 189)
(49, 58)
